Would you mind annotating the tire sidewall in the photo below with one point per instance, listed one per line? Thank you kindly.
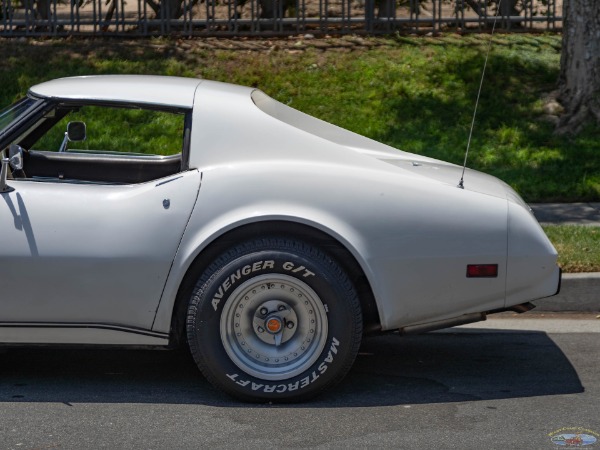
(321, 276)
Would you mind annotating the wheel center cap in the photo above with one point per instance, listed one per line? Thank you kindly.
(273, 325)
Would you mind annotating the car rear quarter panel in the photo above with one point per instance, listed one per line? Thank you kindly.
(413, 241)
(412, 236)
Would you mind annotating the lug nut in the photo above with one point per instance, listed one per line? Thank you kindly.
(261, 330)
(281, 308)
(290, 324)
(264, 311)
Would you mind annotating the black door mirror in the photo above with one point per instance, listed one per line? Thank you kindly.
(76, 131)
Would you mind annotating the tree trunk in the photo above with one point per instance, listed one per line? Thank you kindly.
(579, 81)
(43, 9)
(387, 9)
(109, 14)
(508, 8)
(166, 9)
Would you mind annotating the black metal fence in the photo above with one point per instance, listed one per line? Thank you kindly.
(270, 17)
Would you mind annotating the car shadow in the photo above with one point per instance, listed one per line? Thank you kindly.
(390, 370)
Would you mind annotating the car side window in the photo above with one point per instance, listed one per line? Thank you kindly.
(126, 130)
(105, 144)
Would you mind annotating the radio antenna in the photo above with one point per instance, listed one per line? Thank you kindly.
(461, 183)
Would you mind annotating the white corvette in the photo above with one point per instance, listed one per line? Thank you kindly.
(158, 211)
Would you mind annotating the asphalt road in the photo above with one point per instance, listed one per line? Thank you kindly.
(502, 384)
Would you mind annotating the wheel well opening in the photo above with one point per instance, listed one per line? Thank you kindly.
(325, 242)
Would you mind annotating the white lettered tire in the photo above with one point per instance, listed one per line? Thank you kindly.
(274, 319)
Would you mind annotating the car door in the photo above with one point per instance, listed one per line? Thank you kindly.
(90, 230)
(89, 253)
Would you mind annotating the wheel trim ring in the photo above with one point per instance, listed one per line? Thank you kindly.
(269, 362)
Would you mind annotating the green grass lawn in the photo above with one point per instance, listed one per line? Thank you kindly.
(578, 247)
(416, 94)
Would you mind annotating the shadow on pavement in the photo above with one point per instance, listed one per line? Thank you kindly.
(390, 370)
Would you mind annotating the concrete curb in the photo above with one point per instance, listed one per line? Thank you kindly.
(579, 292)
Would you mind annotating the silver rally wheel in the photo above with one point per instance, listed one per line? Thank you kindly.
(274, 319)
(273, 327)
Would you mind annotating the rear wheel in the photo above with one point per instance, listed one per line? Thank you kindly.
(274, 320)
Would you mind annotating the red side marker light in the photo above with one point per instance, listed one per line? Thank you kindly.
(482, 271)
